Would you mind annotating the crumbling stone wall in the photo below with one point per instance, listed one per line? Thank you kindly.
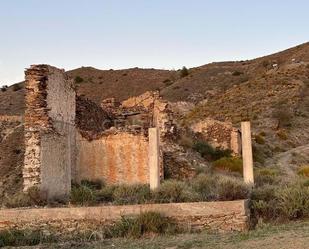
(219, 216)
(158, 110)
(219, 134)
(116, 157)
(49, 130)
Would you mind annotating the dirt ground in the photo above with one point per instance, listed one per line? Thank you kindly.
(289, 236)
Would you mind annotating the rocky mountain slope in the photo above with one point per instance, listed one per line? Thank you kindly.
(271, 91)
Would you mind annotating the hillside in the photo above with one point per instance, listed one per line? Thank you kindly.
(271, 91)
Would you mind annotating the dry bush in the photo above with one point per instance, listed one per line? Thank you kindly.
(82, 195)
(281, 202)
(304, 171)
(231, 164)
(174, 191)
(145, 223)
(131, 194)
(230, 189)
(266, 176)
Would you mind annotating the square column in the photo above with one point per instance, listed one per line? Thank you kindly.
(154, 158)
(247, 156)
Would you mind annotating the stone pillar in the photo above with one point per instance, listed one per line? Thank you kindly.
(247, 152)
(154, 158)
(49, 131)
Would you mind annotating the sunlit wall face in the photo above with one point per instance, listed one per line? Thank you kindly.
(160, 34)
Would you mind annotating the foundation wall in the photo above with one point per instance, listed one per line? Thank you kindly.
(115, 159)
(222, 216)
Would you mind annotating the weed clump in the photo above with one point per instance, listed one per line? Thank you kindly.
(231, 164)
(174, 191)
(145, 223)
(82, 195)
(285, 202)
(134, 194)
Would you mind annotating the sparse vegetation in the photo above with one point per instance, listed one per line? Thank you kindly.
(131, 194)
(78, 80)
(82, 195)
(231, 164)
(201, 188)
(23, 237)
(281, 202)
(266, 176)
(210, 153)
(145, 223)
(174, 191)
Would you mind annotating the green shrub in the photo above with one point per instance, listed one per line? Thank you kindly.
(285, 202)
(231, 164)
(136, 227)
(210, 153)
(105, 194)
(230, 189)
(184, 72)
(78, 79)
(131, 194)
(293, 201)
(304, 171)
(174, 191)
(206, 187)
(95, 185)
(259, 139)
(266, 176)
(16, 237)
(82, 195)
(263, 203)
(262, 133)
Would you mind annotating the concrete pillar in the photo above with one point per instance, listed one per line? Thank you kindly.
(153, 154)
(247, 152)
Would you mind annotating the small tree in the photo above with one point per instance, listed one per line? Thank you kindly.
(4, 88)
(78, 79)
(184, 72)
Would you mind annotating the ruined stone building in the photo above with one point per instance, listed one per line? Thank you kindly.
(69, 138)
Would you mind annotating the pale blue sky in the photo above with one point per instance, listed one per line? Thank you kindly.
(144, 33)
